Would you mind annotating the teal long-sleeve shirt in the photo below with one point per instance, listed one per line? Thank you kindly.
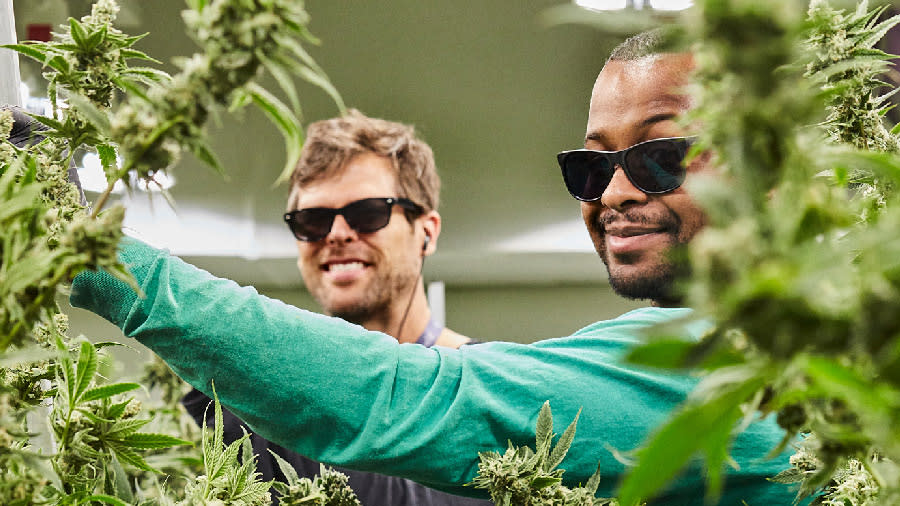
(338, 393)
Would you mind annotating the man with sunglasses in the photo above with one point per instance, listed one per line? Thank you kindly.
(363, 209)
(425, 413)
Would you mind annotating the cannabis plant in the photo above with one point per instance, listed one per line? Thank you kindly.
(525, 477)
(797, 269)
(67, 435)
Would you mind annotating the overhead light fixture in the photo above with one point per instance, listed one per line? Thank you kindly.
(671, 5)
(602, 5)
(93, 179)
(611, 5)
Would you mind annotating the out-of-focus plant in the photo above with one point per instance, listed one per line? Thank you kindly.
(798, 268)
(525, 477)
(92, 449)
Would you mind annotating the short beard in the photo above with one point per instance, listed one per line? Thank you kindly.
(662, 285)
(362, 313)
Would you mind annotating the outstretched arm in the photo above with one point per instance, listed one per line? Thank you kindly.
(343, 395)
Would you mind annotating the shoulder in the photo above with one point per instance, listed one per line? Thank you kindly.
(452, 339)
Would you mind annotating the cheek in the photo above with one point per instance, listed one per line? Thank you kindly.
(691, 216)
(305, 259)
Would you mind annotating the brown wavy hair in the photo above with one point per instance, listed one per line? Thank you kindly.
(332, 143)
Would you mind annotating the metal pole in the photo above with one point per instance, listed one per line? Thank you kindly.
(9, 60)
(436, 302)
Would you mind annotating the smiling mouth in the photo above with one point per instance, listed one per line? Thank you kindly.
(343, 266)
(632, 231)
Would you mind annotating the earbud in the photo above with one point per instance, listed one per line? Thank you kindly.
(425, 244)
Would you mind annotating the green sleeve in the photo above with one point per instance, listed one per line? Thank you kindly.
(340, 394)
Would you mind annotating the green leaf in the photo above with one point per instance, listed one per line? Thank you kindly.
(85, 370)
(684, 434)
(287, 124)
(148, 73)
(562, 446)
(284, 79)
(131, 458)
(663, 353)
(108, 499)
(147, 440)
(78, 33)
(59, 64)
(124, 428)
(96, 38)
(139, 55)
(539, 482)
(119, 481)
(593, 482)
(107, 391)
(29, 50)
(544, 429)
(286, 469)
(98, 118)
(321, 80)
(205, 155)
(68, 370)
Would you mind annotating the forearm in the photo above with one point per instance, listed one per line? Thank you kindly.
(340, 394)
(323, 387)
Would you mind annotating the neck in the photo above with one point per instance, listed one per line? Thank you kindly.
(392, 323)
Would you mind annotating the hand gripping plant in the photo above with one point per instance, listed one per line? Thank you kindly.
(141, 115)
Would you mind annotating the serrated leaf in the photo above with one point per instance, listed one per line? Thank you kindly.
(287, 469)
(562, 446)
(148, 73)
(131, 458)
(76, 30)
(107, 391)
(148, 441)
(59, 64)
(544, 429)
(879, 31)
(84, 370)
(138, 55)
(28, 50)
(593, 482)
(124, 428)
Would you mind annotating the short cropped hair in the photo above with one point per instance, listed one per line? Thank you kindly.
(638, 46)
(332, 143)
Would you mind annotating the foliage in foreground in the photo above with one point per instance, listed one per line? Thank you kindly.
(798, 268)
(525, 477)
(68, 435)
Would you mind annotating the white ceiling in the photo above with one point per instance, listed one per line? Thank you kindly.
(494, 92)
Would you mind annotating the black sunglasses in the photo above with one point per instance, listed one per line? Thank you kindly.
(654, 166)
(364, 216)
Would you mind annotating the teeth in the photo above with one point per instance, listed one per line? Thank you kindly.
(345, 267)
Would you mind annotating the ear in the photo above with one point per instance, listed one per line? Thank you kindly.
(431, 228)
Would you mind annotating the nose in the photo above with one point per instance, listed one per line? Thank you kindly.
(341, 232)
(621, 193)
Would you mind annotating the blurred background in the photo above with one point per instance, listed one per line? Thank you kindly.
(495, 91)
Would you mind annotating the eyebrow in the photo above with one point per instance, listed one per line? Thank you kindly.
(600, 137)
